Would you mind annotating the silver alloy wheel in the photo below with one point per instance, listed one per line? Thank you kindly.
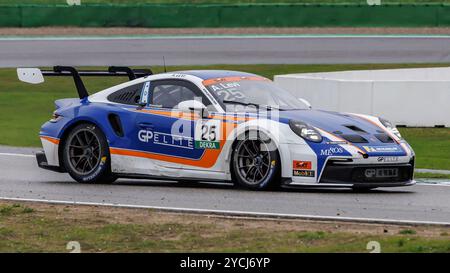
(84, 152)
(252, 161)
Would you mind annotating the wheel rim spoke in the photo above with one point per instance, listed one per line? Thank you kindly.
(259, 170)
(255, 147)
(248, 150)
(253, 161)
(79, 161)
(84, 151)
(79, 140)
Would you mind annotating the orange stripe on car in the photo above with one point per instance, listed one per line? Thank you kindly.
(51, 139)
(192, 116)
(207, 160)
(381, 127)
(173, 114)
(341, 139)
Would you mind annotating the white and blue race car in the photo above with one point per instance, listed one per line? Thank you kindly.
(210, 125)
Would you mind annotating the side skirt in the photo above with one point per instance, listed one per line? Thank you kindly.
(167, 178)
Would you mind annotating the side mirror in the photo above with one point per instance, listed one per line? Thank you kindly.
(305, 102)
(30, 75)
(193, 105)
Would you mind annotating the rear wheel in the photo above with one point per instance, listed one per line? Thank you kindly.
(86, 155)
(256, 163)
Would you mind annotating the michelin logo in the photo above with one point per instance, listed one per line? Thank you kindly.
(381, 149)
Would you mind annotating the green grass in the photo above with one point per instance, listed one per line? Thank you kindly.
(407, 232)
(432, 175)
(48, 228)
(24, 108)
(432, 146)
(214, 1)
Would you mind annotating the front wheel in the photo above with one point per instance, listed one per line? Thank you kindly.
(86, 155)
(256, 163)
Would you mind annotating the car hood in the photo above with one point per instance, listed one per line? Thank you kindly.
(332, 121)
(351, 128)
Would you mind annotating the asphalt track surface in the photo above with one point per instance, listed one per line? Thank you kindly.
(21, 179)
(306, 49)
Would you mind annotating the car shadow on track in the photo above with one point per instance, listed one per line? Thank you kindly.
(231, 187)
(228, 186)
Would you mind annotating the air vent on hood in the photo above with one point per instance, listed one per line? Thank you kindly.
(384, 138)
(356, 129)
(354, 138)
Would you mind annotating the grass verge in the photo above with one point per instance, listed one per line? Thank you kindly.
(432, 146)
(24, 108)
(432, 175)
(32, 227)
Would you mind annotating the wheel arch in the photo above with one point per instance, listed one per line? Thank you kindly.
(245, 130)
(275, 131)
(67, 129)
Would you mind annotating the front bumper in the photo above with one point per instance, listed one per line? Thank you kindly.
(43, 163)
(366, 174)
(354, 175)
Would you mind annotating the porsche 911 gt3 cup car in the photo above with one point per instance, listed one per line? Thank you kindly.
(210, 125)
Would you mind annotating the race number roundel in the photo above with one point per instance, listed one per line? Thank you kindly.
(207, 134)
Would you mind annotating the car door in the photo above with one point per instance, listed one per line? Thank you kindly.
(166, 133)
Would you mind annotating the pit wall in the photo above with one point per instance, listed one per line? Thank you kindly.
(420, 102)
(226, 15)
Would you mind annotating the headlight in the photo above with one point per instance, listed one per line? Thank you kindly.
(305, 131)
(391, 128)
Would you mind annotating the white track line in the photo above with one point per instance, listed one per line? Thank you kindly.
(212, 37)
(19, 155)
(267, 215)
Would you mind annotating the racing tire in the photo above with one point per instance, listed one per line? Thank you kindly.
(86, 155)
(256, 163)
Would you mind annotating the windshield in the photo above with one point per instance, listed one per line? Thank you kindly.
(251, 93)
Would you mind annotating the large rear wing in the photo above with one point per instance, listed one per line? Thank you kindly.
(36, 76)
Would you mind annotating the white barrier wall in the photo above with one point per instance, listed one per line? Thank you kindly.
(411, 97)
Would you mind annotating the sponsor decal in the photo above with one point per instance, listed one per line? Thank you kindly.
(338, 142)
(206, 145)
(302, 165)
(144, 94)
(165, 139)
(387, 159)
(177, 75)
(331, 151)
(304, 173)
(381, 173)
(226, 85)
(97, 171)
(207, 134)
(381, 149)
